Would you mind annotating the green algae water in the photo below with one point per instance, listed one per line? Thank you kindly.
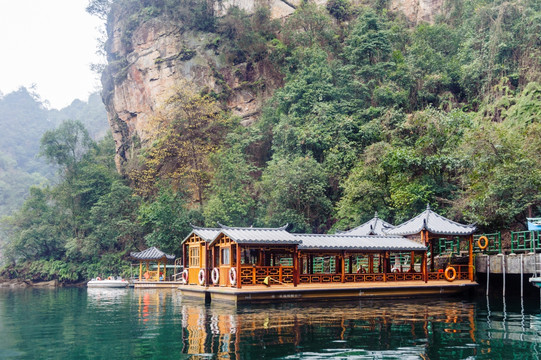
(160, 324)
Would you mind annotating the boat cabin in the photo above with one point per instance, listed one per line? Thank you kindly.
(195, 254)
(248, 256)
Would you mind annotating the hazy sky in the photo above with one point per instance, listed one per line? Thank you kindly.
(49, 43)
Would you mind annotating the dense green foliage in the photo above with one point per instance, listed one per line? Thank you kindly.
(374, 114)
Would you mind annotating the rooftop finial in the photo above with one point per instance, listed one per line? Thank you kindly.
(376, 214)
(428, 206)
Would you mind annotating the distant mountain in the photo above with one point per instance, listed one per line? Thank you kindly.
(23, 121)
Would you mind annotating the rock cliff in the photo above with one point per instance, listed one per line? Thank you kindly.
(162, 52)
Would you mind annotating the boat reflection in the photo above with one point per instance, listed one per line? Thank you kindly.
(356, 330)
(106, 296)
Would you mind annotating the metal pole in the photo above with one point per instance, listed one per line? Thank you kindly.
(503, 272)
(521, 275)
(488, 272)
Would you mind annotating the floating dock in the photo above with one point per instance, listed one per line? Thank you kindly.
(319, 292)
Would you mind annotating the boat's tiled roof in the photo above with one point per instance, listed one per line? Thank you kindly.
(355, 242)
(434, 223)
(151, 254)
(374, 226)
(207, 234)
(251, 235)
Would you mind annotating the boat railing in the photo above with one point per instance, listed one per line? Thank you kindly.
(462, 273)
(494, 243)
(255, 275)
(525, 241)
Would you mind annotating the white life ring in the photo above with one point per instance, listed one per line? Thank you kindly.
(233, 276)
(215, 276)
(201, 277)
(185, 276)
(395, 269)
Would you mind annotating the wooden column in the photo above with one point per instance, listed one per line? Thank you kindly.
(238, 266)
(431, 253)
(343, 266)
(412, 261)
(296, 266)
(158, 273)
(470, 261)
(424, 267)
(140, 270)
(370, 264)
(207, 263)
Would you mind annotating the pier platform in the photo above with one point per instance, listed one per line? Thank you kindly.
(320, 292)
(136, 284)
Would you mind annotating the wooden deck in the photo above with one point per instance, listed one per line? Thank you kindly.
(318, 292)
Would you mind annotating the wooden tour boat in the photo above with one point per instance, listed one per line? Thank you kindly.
(374, 259)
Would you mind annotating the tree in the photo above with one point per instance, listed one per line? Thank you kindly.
(293, 190)
(66, 146)
(187, 130)
(167, 220)
(232, 199)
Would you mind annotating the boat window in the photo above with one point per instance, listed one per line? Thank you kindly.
(226, 260)
(194, 256)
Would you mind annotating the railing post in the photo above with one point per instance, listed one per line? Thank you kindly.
(512, 243)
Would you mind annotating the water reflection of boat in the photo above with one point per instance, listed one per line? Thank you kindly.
(106, 295)
(110, 282)
(222, 330)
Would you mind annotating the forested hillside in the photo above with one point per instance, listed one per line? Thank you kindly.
(23, 120)
(375, 114)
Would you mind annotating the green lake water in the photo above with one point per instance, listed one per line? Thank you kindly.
(159, 324)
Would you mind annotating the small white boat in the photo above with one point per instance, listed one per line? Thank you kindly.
(110, 282)
(536, 281)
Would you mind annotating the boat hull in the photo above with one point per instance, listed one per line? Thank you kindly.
(536, 281)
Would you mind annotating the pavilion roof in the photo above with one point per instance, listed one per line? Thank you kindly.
(357, 242)
(152, 253)
(252, 235)
(374, 226)
(207, 234)
(434, 223)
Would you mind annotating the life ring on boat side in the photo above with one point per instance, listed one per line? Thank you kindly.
(482, 242)
(395, 270)
(448, 272)
(233, 276)
(215, 276)
(109, 278)
(201, 276)
(185, 276)
(361, 270)
(98, 278)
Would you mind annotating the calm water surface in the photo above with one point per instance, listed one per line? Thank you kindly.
(158, 324)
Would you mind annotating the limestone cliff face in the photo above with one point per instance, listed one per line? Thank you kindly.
(417, 10)
(161, 54)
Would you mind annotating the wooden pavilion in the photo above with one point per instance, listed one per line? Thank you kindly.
(152, 255)
(428, 227)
